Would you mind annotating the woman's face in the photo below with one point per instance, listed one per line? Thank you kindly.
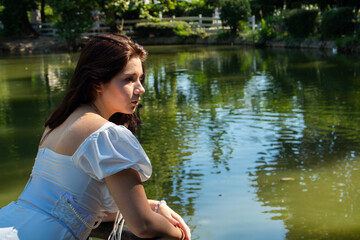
(122, 93)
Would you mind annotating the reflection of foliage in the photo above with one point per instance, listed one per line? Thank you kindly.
(4, 105)
(221, 145)
(320, 202)
(35, 84)
(183, 89)
(320, 154)
(165, 141)
(30, 93)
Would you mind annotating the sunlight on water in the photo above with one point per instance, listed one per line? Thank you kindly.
(245, 144)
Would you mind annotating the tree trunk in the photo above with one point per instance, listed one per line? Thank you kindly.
(16, 21)
(26, 26)
(42, 11)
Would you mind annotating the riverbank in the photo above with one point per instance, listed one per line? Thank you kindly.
(37, 45)
(50, 44)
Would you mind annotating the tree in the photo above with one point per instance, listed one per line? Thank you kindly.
(15, 18)
(337, 22)
(116, 11)
(75, 18)
(42, 10)
(326, 4)
(233, 11)
(301, 22)
(265, 8)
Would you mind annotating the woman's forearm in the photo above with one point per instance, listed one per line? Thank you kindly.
(159, 226)
(129, 195)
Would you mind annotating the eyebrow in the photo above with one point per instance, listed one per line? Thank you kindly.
(131, 74)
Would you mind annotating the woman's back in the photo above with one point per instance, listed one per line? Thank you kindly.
(66, 138)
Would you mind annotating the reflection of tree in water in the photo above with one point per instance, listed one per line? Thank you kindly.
(220, 142)
(182, 90)
(24, 105)
(322, 201)
(166, 141)
(324, 193)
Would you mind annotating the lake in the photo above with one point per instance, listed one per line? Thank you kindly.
(245, 143)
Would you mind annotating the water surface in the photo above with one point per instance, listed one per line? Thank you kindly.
(223, 126)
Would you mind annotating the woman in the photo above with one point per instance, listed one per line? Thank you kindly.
(88, 167)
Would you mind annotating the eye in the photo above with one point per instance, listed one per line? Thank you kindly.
(130, 79)
(142, 79)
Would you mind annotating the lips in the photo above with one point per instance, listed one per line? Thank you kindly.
(136, 102)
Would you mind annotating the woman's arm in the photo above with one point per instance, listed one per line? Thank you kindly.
(129, 195)
(174, 218)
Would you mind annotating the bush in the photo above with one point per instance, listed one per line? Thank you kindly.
(153, 9)
(163, 29)
(243, 26)
(275, 25)
(200, 7)
(224, 34)
(337, 22)
(233, 11)
(347, 43)
(266, 33)
(131, 14)
(193, 8)
(301, 23)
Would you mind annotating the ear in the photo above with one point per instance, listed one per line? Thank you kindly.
(98, 88)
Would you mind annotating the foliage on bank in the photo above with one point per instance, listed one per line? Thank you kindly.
(294, 20)
(166, 29)
(70, 27)
(234, 12)
(301, 23)
(298, 27)
(337, 22)
(349, 43)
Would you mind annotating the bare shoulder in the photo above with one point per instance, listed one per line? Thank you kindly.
(86, 124)
(82, 127)
(66, 138)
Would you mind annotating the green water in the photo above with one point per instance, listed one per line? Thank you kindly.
(222, 126)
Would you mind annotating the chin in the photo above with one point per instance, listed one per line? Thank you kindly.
(127, 112)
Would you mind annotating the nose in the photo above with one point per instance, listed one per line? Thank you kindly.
(139, 89)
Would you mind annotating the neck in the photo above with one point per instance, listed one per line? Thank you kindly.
(97, 107)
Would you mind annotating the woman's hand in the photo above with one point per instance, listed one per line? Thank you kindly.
(174, 219)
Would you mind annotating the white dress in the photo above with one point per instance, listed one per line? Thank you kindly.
(66, 195)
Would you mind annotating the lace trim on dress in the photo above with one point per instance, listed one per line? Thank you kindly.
(78, 220)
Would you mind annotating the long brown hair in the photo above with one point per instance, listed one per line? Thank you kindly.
(102, 58)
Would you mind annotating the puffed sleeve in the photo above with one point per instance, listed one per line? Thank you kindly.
(110, 150)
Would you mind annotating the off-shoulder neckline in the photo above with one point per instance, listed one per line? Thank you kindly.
(102, 128)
